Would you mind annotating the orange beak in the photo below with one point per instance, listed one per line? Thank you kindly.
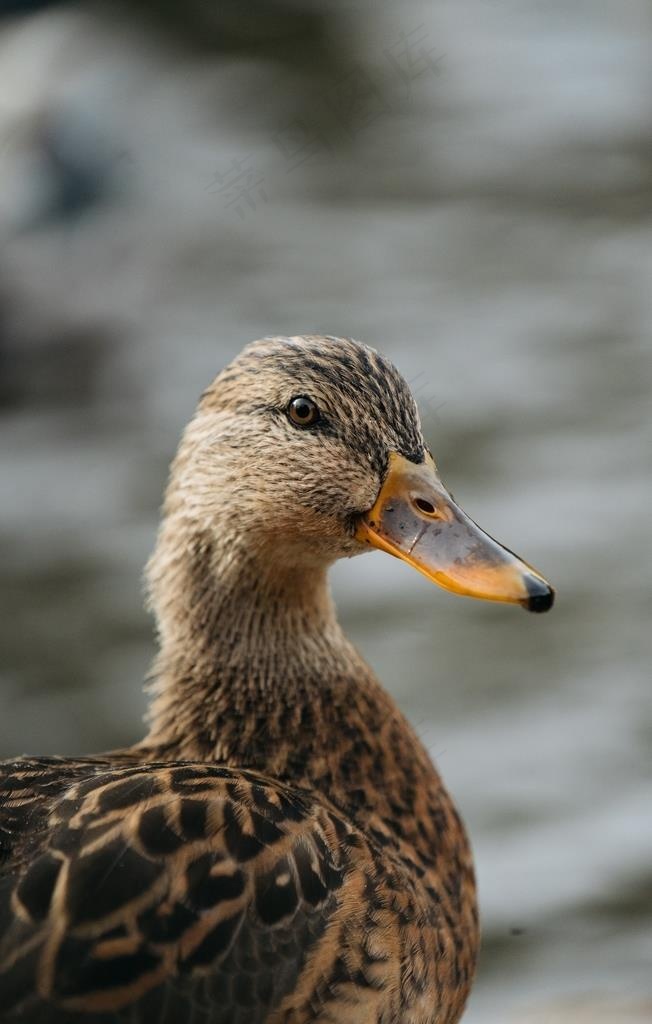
(416, 519)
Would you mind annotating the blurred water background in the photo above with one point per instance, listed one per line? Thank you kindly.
(465, 184)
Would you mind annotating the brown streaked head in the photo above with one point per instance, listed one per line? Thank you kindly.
(307, 449)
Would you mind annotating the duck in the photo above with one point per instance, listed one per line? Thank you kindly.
(279, 848)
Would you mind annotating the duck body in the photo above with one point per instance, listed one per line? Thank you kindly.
(279, 849)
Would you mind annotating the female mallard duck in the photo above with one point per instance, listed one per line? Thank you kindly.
(279, 848)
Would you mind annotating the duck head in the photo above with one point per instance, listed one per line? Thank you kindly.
(309, 449)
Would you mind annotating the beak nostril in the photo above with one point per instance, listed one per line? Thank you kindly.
(425, 506)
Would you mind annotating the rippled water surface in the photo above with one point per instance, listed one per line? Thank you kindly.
(470, 194)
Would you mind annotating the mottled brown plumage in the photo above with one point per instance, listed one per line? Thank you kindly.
(279, 848)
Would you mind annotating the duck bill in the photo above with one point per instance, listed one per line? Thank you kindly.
(416, 519)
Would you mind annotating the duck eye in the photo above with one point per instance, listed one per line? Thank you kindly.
(303, 412)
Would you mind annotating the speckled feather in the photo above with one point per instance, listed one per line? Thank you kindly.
(279, 848)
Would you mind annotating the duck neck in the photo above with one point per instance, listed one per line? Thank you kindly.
(255, 672)
(249, 651)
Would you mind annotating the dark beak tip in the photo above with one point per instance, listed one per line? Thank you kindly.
(541, 595)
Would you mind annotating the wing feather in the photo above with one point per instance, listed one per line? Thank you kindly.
(159, 891)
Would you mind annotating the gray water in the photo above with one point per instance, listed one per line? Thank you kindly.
(466, 187)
